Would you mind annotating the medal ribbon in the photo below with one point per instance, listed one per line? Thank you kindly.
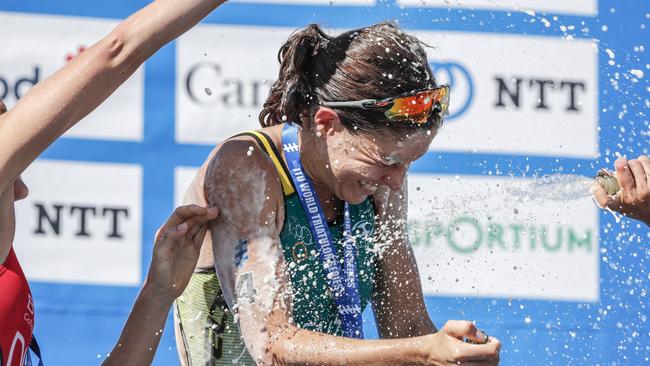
(342, 282)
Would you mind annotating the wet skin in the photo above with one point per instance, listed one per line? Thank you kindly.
(351, 166)
(8, 196)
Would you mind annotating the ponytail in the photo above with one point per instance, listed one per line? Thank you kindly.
(374, 62)
(293, 92)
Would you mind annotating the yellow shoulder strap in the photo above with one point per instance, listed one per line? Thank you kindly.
(287, 187)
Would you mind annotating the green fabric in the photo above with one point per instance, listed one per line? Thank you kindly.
(313, 306)
(209, 333)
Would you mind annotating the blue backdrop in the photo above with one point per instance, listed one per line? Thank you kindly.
(78, 324)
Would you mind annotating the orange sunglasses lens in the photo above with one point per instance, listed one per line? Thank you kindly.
(417, 108)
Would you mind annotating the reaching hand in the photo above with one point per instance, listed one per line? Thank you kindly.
(633, 199)
(448, 346)
(176, 249)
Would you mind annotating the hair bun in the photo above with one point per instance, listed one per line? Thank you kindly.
(368, 63)
(292, 92)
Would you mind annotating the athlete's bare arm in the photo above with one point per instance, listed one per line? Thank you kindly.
(398, 302)
(250, 198)
(57, 103)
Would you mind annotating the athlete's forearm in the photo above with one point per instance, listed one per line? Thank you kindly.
(60, 101)
(303, 347)
(142, 331)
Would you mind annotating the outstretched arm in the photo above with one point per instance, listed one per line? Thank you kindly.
(57, 103)
(250, 267)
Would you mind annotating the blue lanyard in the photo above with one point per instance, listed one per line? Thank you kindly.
(33, 345)
(342, 284)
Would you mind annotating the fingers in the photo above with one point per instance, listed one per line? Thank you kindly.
(461, 328)
(633, 200)
(600, 196)
(479, 352)
(604, 200)
(181, 213)
(639, 173)
(472, 352)
(645, 162)
(185, 218)
(200, 235)
(624, 175)
(193, 230)
(194, 223)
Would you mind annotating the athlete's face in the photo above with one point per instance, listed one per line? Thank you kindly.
(20, 190)
(362, 162)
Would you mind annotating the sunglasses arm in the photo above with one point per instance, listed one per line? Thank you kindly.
(365, 104)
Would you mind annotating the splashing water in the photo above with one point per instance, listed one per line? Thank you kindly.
(553, 187)
(516, 198)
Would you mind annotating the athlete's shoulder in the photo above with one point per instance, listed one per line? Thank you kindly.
(239, 159)
(241, 175)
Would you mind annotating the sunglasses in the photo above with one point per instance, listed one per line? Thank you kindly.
(415, 107)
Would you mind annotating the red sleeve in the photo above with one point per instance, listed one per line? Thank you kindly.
(16, 312)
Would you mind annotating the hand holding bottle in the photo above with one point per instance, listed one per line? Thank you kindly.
(633, 199)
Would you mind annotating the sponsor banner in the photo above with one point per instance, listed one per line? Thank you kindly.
(222, 82)
(496, 100)
(81, 223)
(496, 237)
(515, 95)
(40, 45)
(183, 176)
(312, 2)
(573, 7)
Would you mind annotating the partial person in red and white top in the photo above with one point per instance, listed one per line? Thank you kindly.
(42, 115)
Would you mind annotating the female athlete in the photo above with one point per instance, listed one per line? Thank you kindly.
(313, 216)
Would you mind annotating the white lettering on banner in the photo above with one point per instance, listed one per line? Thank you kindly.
(574, 7)
(222, 82)
(81, 223)
(41, 44)
(508, 246)
(517, 95)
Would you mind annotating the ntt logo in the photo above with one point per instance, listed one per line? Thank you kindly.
(459, 79)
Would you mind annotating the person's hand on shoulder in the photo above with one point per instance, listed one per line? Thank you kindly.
(633, 200)
(176, 249)
(175, 253)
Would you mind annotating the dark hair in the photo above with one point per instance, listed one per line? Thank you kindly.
(374, 62)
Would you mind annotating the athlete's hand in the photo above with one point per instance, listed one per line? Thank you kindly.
(176, 249)
(633, 199)
(447, 346)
